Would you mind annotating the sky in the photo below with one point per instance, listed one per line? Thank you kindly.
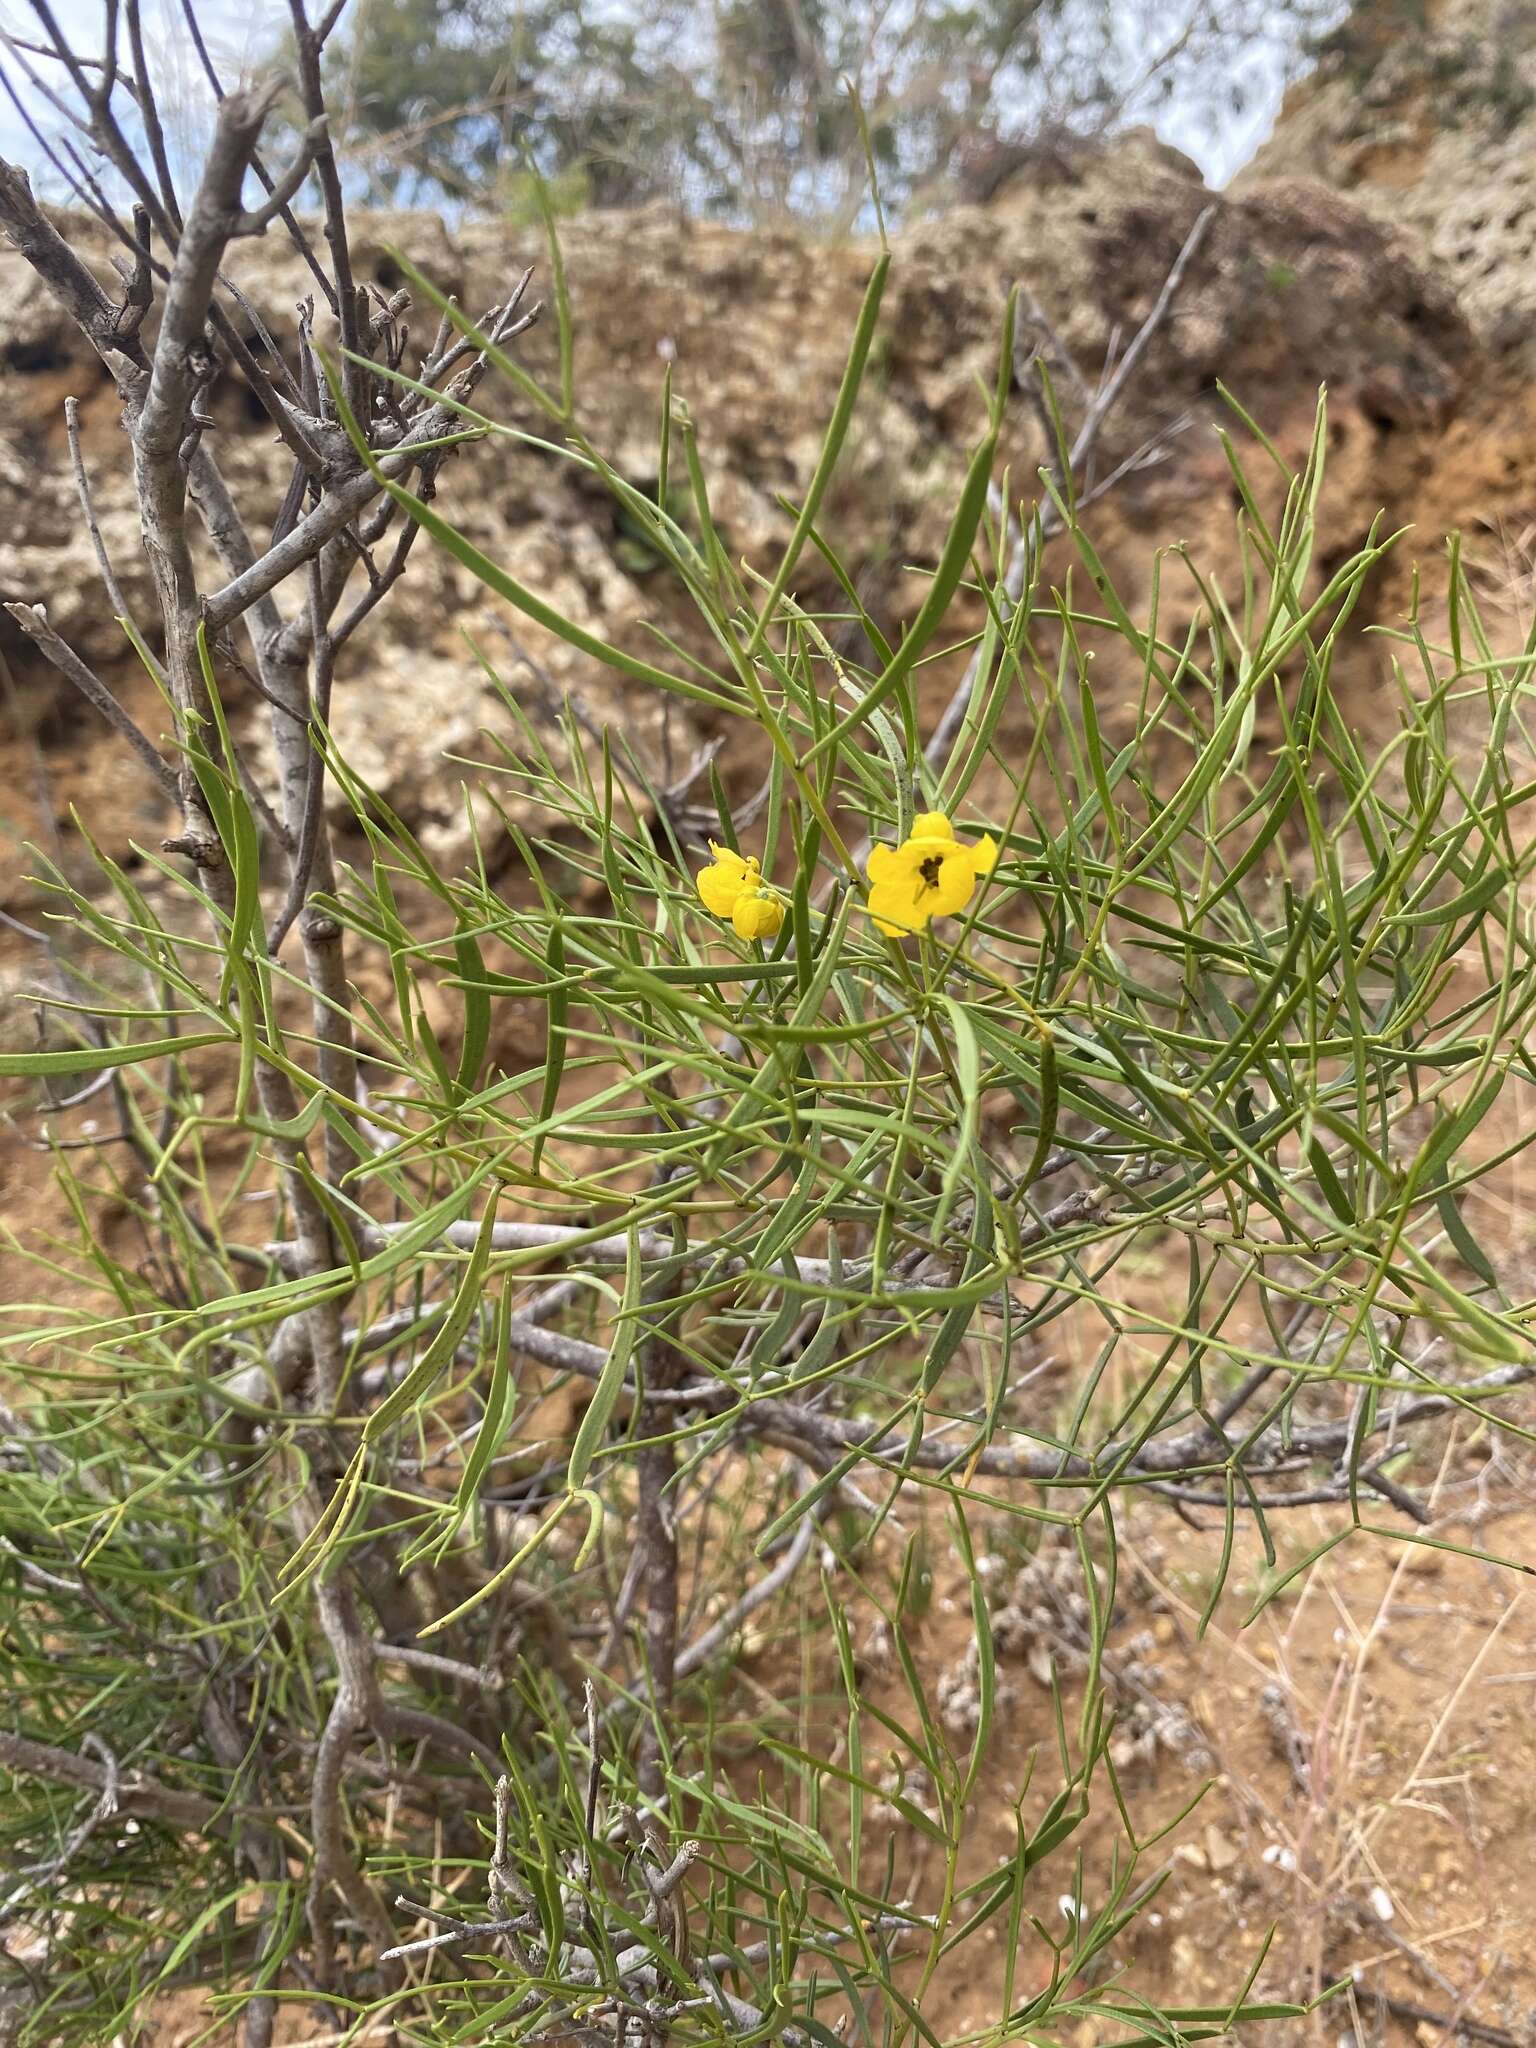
(235, 34)
(237, 31)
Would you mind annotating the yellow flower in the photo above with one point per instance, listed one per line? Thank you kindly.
(758, 915)
(929, 875)
(733, 887)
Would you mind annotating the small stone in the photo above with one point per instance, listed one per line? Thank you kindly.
(1188, 1969)
(1221, 1851)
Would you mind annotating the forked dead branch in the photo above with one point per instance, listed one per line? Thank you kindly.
(283, 599)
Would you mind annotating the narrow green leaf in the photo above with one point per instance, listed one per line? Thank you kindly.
(429, 1367)
(594, 1424)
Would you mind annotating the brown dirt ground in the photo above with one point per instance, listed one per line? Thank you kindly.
(1409, 1676)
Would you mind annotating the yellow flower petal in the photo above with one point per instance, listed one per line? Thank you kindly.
(897, 906)
(720, 884)
(884, 863)
(955, 885)
(757, 915)
(719, 890)
(933, 825)
(984, 854)
(730, 862)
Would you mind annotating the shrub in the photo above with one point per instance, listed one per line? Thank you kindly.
(383, 1536)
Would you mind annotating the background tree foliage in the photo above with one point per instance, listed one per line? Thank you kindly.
(740, 108)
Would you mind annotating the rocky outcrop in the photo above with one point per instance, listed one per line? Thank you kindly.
(1293, 286)
(1423, 114)
(1424, 111)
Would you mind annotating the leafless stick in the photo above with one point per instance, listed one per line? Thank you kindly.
(444, 1667)
(377, 591)
(148, 109)
(310, 800)
(214, 217)
(355, 1703)
(1405, 1502)
(280, 658)
(99, 125)
(1049, 347)
(138, 278)
(88, 511)
(497, 325)
(1108, 394)
(296, 234)
(336, 510)
(1448, 2022)
(139, 1797)
(93, 202)
(1083, 1206)
(33, 622)
(1145, 456)
(308, 43)
(37, 1875)
(656, 1546)
(467, 1935)
(46, 251)
(1248, 1502)
(762, 1590)
(105, 130)
(57, 51)
(416, 1724)
(796, 1427)
(257, 219)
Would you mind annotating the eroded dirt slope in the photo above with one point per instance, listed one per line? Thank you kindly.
(1293, 287)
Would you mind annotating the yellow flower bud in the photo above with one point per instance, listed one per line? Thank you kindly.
(732, 887)
(757, 915)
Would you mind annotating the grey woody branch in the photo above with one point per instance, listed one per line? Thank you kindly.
(282, 599)
(258, 219)
(138, 1797)
(34, 623)
(180, 365)
(108, 328)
